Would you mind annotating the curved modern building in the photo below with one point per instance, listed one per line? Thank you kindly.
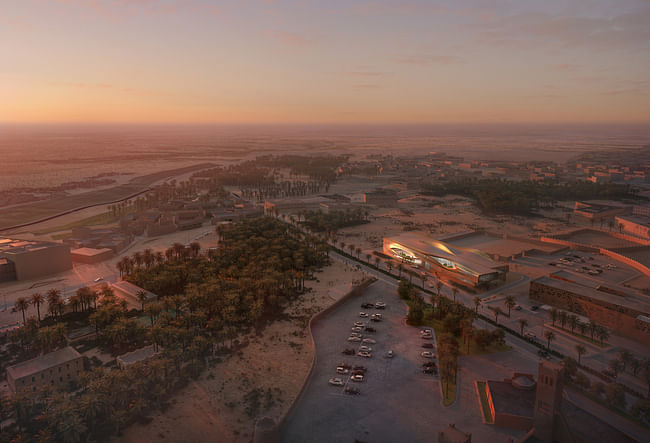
(469, 267)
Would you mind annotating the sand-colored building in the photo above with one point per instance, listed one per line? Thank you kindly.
(28, 259)
(91, 255)
(55, 369)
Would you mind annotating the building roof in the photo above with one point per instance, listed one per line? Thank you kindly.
(131, 290)
(473, 259)
(17, 246)
(636, 219)
(90, 252)
(40, 363)
(630, 301)
(510, 400)
(138, 355)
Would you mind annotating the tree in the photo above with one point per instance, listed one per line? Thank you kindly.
(36, 300)
(616, 366)
(549, 336)
(580, 350)
(603, 334)
(53, 297)
(497, 312)
(142, 298)
(593, 327)
(563, 318)
(573, 322)
(625, 357)
(510, 303)
(570, 367)
(553, 313)
(615, 395)
(21, 305)
(477, 303)
(523, 323)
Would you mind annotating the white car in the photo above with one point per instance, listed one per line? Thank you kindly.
(355, 334)
(369, 341)
(336, 381)
(380, 305)
(342, 370)
(378, 316)
(350, 338)
(390, 354)
(427, 354)
(357, 329)
(363, 314)
(359, 324)
(365, 348)
(357, 378)
(425, 331)
(364, 354)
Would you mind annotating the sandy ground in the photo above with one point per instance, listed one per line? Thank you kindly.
(211, 409)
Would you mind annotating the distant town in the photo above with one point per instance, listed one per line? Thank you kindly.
(350, 298)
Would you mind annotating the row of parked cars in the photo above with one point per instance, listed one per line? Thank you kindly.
(357, 373)
(429, 366)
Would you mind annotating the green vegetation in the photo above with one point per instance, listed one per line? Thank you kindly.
(508, 197)
(212, 299)
(99, 219)
(569, 323)
(319, 221)
(485, 405)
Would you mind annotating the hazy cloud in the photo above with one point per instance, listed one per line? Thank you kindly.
(428, 60)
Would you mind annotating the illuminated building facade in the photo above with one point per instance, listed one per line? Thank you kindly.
(469, 267)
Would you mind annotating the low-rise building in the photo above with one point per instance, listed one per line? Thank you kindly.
(142, 354)
(54, 369)
(91, 255)
(636, 225)
(28, 259)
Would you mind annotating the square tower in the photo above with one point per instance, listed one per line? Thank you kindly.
(548, 399)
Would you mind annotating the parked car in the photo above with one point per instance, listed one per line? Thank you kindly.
(352, 391)
(390, 354)
(425, 331)
(518, 308)
(344, 365)
(534, 308)
(427, 354)
(359, 324)
(380, 305)
(530, 335)
(365, 348)
(426, 337)
(359, 368)
(336, 381)
(375, 319)
(363, 314)
(427, 345)
(370, 329)
(357, 377)
(430, 370)
(342, 370)
(354, 339)
(429, 364)
(367, 305)
(357, 329)
(365, 354)
(348, 351)
(355, 334)
(369, 341)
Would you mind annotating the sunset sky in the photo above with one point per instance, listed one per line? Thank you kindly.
(326, 61)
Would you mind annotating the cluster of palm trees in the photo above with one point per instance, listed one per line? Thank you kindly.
(83, 299)
(573, 321)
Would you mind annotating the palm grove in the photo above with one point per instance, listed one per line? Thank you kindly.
(205, 302)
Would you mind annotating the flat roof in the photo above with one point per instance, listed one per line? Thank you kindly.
(510, 400)
(40, 363)
(474, 259)
(16, 246)
(138, 355)
(630, 301)
(90, 252)
(636, 219)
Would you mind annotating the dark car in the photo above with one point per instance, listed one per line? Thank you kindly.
(352, 391)
(427, 345)
(344, 365)
(534, 308)
(430, 370)
(349, 351)
(370, 329)
(375, 319)
(429, 364)
(358, 373)
(367, 305)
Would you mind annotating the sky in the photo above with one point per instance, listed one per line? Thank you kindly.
(327, 61)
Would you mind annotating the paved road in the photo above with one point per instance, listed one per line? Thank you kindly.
(397, 401)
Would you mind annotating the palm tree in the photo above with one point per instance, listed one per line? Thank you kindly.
(510, 303)
(593, 327)
(549, 336)
(22, 304)
(523, 323)
(553, 313)
(36, 300)
(563, 318)
(142, 297)
(53, 297)
(573, 322)
(603, 334)
(477, 303)
(581, 350)
(497, 312)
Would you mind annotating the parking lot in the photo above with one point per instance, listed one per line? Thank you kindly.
(396, 400)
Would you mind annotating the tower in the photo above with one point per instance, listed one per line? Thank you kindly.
(547, 400)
